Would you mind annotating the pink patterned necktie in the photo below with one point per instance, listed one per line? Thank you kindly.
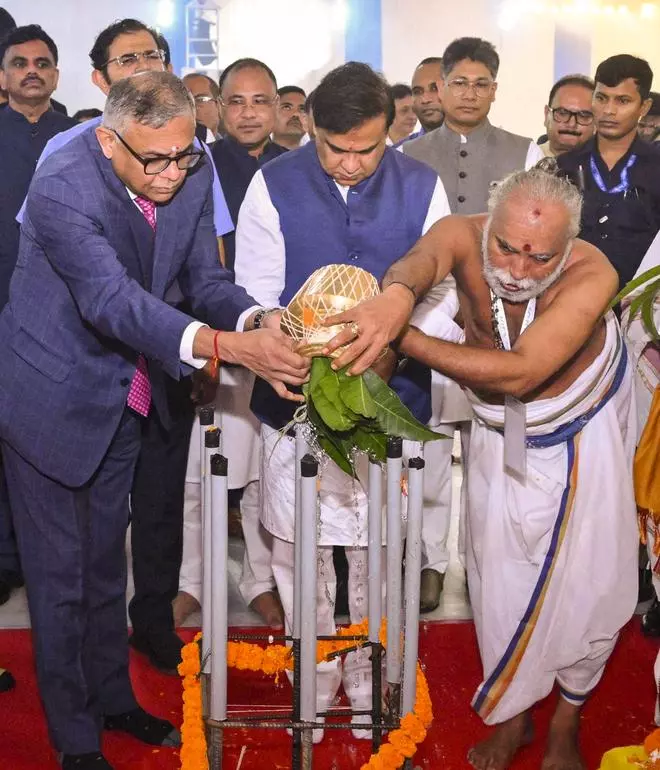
(139, 394)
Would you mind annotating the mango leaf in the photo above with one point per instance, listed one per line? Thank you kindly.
(654, 272)
(374, 444)
(337, 454)
(647, 313)
(324, 392)
(355, 395)
(337, 448)
(393, 417)
(645, 301)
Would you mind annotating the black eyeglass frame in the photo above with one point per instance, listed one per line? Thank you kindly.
(198, 154)
(572, 114)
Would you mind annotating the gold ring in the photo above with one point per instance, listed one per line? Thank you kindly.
(355, 329)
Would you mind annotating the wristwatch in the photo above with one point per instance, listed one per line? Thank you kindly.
(260, 316)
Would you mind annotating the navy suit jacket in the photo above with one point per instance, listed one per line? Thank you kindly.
(87, 297)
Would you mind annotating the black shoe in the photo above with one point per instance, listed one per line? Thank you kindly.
(9, 580)
(144, 727)
(7, 681)
(163, 650)
(651, 620)
(93, 761)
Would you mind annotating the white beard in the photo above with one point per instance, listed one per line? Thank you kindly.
(497, 277)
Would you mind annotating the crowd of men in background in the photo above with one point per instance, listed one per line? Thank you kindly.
(600, 131)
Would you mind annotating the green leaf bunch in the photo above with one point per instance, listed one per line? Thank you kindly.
(357, 412)
(644, 302)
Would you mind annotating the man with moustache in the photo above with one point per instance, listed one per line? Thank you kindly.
(569, 118)
(469, 154)
(549, 485)
(248, 99)
(617, 171)
(427, 104)
(29, 75)
(467, 151)
(290, 117)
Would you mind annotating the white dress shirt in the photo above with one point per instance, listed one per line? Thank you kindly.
(188, 337)
(260, 250)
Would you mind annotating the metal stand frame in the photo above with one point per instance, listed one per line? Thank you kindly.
(401, 658)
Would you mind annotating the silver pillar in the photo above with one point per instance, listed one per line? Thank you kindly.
(394, 549)
(211, 446)
(412, 582)
(302, 449)
(308, 581)
(219, 573)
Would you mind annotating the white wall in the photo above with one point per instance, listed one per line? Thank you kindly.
(74, 25)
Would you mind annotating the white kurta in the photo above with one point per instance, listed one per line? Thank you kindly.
(552, 564)
(260, 269)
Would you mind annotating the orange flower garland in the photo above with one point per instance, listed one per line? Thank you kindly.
(193, 737)
(273, 660)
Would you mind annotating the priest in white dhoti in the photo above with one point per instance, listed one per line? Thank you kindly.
(344, 199)
(551, 541)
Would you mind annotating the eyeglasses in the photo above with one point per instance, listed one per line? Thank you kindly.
(152, 166)
(128, 59)
(582, 117)
(460, 86)
(204, 99)
(238, 103)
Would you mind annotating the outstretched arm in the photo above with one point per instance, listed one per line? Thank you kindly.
(539, 353)
(375, 323)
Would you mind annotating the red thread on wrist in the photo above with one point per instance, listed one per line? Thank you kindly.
(216, 356)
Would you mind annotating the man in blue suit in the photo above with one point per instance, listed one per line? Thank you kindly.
(112, 222)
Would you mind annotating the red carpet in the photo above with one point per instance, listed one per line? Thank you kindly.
(621, 712)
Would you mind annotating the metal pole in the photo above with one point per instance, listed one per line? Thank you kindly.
(375, 552)
(412, 582)
(219, 565)
(206, 420)
(211, 446)
(308, 581)
(301, 450)
(393, 657)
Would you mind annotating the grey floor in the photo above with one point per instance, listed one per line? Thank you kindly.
(453, 604)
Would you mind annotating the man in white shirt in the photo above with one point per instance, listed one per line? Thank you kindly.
(348, 199)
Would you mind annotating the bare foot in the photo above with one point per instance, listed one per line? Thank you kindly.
(497, 751)
(269, 607)
(183, 607)
(563, 749)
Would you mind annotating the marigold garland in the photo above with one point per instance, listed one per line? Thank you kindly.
(273, 660)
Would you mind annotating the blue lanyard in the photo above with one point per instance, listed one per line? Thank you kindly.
(623, 183)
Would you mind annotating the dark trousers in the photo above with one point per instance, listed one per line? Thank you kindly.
(8, 547)
(72, 548)
(157, 512)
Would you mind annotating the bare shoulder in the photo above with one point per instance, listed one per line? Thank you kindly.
(589, 267)
(460, 233)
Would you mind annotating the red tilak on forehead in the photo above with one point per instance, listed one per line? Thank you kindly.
(527, 247)
(537, 212)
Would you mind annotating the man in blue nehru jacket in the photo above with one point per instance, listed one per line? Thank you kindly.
(345, 198)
